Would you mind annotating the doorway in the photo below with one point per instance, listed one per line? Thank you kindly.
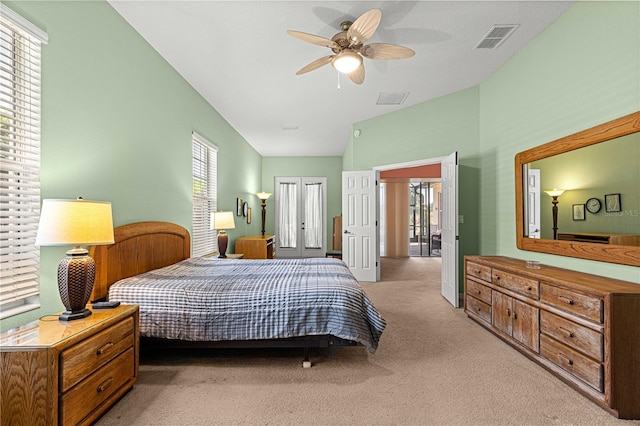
(300, 212)
(425, 217)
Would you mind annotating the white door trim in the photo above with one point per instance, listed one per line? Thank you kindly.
(415, 163)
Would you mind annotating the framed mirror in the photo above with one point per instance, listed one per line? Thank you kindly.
(591, 207)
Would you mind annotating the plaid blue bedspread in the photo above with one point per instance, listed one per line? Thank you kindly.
(208, 299)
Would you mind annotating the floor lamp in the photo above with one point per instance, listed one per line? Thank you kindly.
(75, 222)
(222, 221)
(554, 194)
(263, 203)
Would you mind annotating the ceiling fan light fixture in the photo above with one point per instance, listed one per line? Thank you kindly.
(346, 61)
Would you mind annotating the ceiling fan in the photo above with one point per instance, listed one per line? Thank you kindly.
(348, 47)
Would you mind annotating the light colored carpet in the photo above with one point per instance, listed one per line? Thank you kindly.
(433, 366)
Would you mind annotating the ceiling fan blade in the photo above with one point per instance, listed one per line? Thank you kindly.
(314, 39)
(357, 76)
(363, 28)
(315, 64)
(386, 51)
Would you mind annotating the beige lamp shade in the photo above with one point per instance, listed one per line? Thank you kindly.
(554, 192)
(263, 195)
(73, 222)
(223, 220)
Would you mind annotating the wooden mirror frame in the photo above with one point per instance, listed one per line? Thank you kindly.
(625, 255)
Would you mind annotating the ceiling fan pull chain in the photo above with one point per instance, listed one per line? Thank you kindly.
(338, 80)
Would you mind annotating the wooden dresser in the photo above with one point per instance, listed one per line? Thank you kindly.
(256, 246)
(583, 328)
(68, 372)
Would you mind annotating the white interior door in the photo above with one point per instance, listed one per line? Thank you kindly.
(360, 246)
(449, 252)
(533, 204)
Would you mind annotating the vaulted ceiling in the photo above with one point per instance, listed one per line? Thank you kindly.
(239, 57)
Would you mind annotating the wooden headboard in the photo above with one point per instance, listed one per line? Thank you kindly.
(138, 248)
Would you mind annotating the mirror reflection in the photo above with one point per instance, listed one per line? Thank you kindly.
(597, 198)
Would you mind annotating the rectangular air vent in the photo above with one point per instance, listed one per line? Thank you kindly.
(392, 98)
(496, 35)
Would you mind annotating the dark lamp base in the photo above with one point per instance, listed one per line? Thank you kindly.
(74, 315)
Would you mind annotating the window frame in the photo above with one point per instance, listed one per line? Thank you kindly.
(203, 238)
(20, 132)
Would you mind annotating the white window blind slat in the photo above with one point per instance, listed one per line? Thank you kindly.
(19, 162)
(205, 158)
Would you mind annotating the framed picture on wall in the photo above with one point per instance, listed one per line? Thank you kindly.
(239, 205)
(612, 203)
(578, 212)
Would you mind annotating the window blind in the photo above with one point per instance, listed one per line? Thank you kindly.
(19, 162)
(205, 159)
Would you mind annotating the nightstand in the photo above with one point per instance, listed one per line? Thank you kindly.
(256, 246)
(68, 372)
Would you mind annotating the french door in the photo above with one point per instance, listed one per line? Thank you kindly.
(301, 216)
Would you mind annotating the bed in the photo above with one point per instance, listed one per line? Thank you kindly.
(213, 302)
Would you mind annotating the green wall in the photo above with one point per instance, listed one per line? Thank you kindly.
(116, 126)
(581, 71)
(331, 167)
(424, 131)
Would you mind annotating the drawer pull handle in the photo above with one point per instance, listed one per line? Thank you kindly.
(508, 312)
(101, 350)
(104, 385)
(529, 288)
(479, 291)
(566, 358)
(566, 300)
(567, 332)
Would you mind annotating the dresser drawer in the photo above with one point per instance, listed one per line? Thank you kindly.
(94, 390)
(584, 368)
(571, 301)
(479, 291)
(522, 285)
(576, 336)
(79, 361)
(479, 308)
(479, 271)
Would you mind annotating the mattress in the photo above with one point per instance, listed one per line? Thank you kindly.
(211, 299)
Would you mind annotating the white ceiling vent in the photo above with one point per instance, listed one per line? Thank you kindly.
(496, 35)
(392, 98)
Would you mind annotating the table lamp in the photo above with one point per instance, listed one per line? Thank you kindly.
(263, 202)
(75, 222)
(222, 221)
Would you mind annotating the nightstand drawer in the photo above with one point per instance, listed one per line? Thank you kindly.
(91, 393)
(81, 360)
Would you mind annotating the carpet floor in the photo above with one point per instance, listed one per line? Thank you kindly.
(434, 366)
